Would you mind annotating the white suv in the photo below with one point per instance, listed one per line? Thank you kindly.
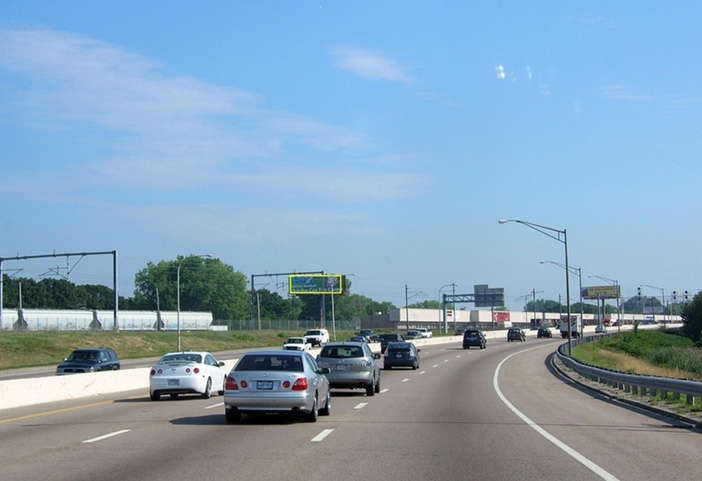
(317, 337)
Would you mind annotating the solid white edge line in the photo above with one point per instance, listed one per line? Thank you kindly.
(214, 406)
(601, 472)
(100, 438)
(322, 435)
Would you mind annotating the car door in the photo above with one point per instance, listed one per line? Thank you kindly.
(215, 372)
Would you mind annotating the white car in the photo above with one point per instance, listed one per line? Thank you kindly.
(189, 372)
(297, 344)
(426, 333)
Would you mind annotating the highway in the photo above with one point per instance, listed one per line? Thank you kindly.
(494, 414)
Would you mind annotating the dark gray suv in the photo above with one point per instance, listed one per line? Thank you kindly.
(89, 360)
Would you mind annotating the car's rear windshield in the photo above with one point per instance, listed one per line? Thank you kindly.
(341, 352)
(399, 349)
(269, 362)
(181, 357)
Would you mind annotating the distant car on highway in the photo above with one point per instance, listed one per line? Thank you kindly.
(388, 337)
(351, 365)
(600, 329)
(413, 334)
(188, 372)
(474, 337)
(277, 381)
(89, 360)
(544, 332)
(516, 334)
(401, 354)
(370, 334)
(297, 344)
(426, 333)
(358, 339)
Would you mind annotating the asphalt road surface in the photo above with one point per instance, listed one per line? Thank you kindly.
(496, 414)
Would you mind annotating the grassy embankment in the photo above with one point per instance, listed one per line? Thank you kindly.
(652, 352)
(29, 349)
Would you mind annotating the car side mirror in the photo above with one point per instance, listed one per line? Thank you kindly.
(376, 356)
(326, 370)
(220, 363)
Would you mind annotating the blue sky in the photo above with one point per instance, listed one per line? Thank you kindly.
(384, 139)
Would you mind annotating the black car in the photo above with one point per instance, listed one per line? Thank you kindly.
(516, 334)
(372, 336)
(474, 337)
(403, 354)
(544, 332)
(89, 360)
(387, 338)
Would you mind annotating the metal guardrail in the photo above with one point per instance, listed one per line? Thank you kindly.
(641, 385)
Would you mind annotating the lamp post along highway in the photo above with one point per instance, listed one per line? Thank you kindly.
(562, 237)
(180, 264)
(578, 272)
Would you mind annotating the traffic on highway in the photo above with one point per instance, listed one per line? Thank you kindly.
(503, 412)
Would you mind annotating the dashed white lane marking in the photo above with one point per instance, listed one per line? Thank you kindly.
(214, 406)
(405, 379)
(360, 405)
(322, 435)
(422, 372)
(384, 390)
(105, 436)
(606, 475)
(445, 360)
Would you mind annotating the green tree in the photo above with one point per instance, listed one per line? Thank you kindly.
(205, 285)
(691, 315)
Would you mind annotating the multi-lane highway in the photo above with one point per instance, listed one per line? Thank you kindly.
(496, 414)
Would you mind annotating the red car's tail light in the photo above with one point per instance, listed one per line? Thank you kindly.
(153, 372)
(300, 384)
(196, 370)
(231, 385)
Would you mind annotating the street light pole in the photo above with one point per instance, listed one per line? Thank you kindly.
(562, 237)
(407, 298)
(578, 272)
(443, 309)
(662, 300)
(180, 264)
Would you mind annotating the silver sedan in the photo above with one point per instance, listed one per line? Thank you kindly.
(277, 381)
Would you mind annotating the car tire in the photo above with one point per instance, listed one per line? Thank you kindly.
(387, 368)
(208, 390)
(311, 417)
(326, 410)
(377, 386)
(466, 347)
(174, 395)
(482, 346)
(224, 383)
(370, 389)
(232, 415)
(155, 397)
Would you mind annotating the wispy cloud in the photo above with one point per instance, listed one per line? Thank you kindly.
(620, 92)
(180, 130)
(369, 64)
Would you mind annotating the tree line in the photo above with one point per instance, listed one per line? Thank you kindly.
(210, 285)
(206, 284)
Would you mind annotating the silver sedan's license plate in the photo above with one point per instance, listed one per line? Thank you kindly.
(268, 385)
(174, 382)
(341, 367)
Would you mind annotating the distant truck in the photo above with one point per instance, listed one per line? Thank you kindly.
(575, 325)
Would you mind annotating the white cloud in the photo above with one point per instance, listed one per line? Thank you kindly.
(369, 64)
(153, 131)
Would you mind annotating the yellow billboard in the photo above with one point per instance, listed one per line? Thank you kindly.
(600, 292)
